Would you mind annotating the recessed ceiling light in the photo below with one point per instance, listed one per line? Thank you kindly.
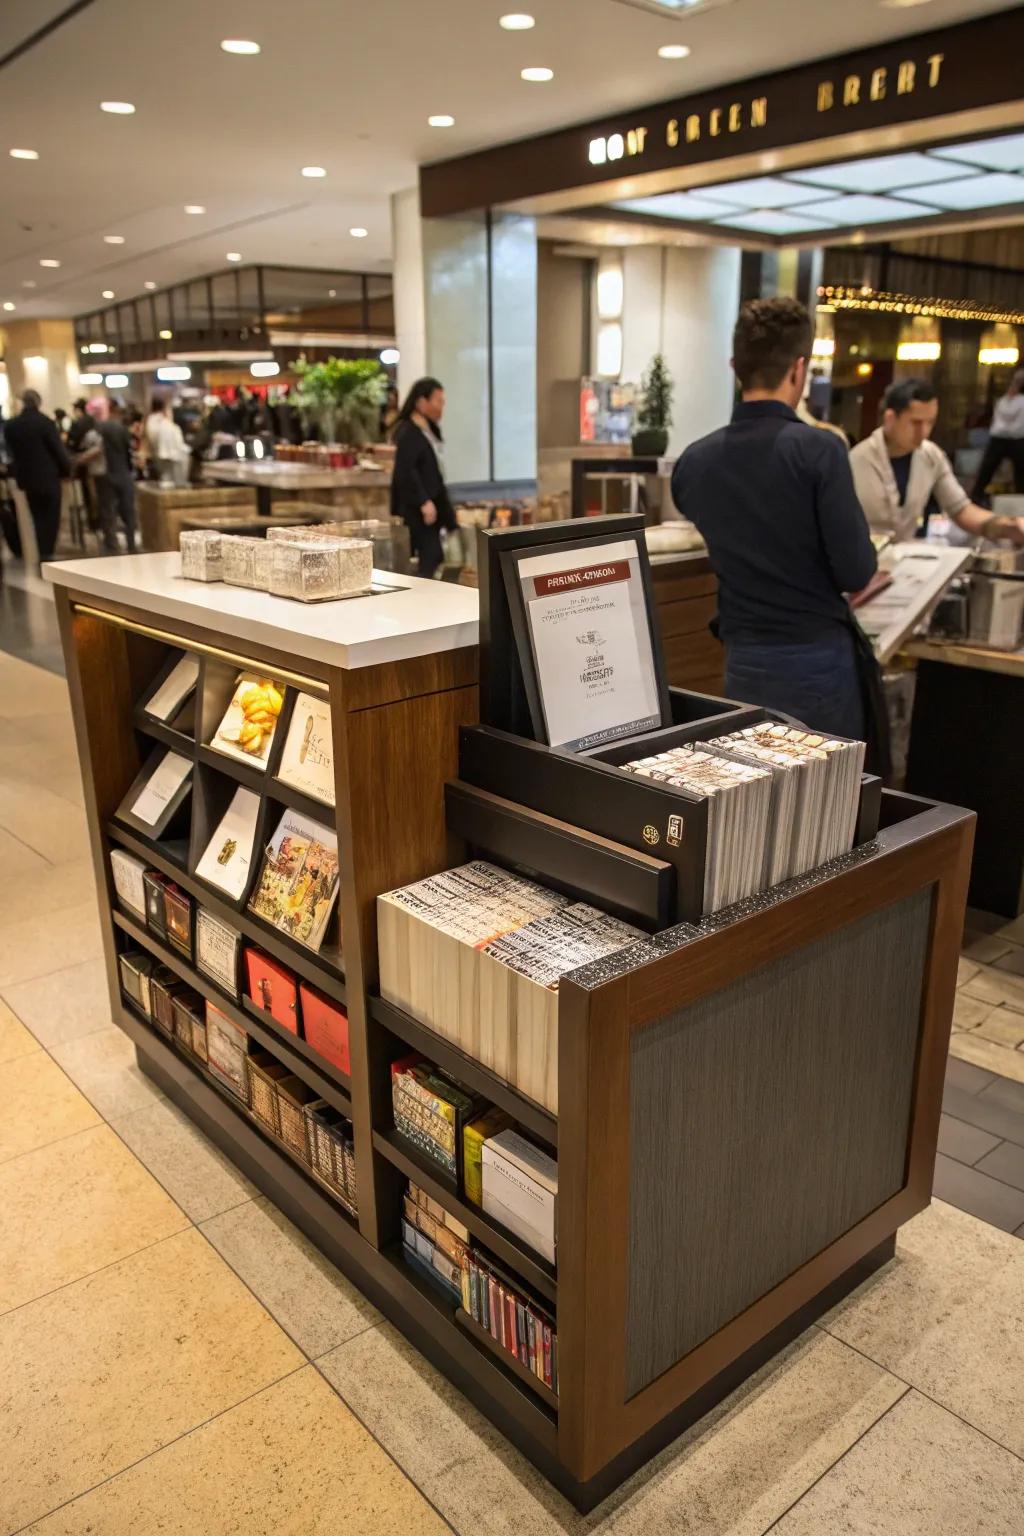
(8, 306)
(537, 74)
(518, 21)
(194, 208)
(674, 51)
(313, 170)
(90, 378)
(113, 239)
(108, 293)
(239, 45)
(267, 370)
(902, 5)
(441, 120)
(234, 256)
(48, 261)
(150, 286)
(358, 233)
(332, 293)
(119, 108)
(166, 335)
(116, 381)
(177, 374)
(24, 154)
(390, 356)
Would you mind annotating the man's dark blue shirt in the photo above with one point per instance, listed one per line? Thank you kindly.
(775, 503)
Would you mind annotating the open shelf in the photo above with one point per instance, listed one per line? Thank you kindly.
(295, 1053)
(156, 730)
(298, 800)
(472, 1074)
(310, 966)
(233, 768)
(476, 1331)
(533, 1270)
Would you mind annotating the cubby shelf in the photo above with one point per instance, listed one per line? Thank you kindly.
(472, 1074)
(156, 730)
(480, 1334)
(243, 773)
(295, 1053)
(530, 1267)
(310, 966)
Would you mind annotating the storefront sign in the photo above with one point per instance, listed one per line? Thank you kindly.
(954, 70)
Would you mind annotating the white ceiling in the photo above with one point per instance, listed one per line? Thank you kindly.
(345, 85)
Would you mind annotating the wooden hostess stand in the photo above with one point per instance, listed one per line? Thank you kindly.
(747, 1112)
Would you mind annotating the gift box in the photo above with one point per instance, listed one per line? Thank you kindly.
(217, 951)
(155, 886)
(128, 872)
(225, 1051)
(164, 987)
(325, 1027)
(201, 558)
(265, 1073)
(178, 907)
(272, 988)
(188, 1011)
(136, 973)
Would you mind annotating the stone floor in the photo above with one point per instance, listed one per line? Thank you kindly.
(174, 1357)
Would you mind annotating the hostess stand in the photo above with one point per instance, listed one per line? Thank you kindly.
(738, 1108)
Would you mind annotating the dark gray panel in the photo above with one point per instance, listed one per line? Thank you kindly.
(765, 1121)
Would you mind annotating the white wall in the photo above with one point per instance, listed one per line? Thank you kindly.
(700, 301)
(514, 339)
(410, 311)
(455, 282)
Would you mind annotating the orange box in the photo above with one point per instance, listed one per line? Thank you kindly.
(325, 1027)
(273, 988)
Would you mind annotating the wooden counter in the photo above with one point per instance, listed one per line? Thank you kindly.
(686, 600)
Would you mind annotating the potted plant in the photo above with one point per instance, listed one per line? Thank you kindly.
(343, 396)
(650, 440)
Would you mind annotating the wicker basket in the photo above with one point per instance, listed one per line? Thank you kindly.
(319, 1146)
(329, 1134)
(292, 1097)
(199, 1039)
(264, 1073)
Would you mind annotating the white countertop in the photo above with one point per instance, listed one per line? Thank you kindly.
(419, 618)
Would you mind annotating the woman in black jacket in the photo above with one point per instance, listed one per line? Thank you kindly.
(418, 493)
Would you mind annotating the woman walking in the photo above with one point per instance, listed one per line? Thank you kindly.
(418, 493)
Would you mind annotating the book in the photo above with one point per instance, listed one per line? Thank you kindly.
(226, 861)
(152, 801)
(520, 1189)
(217, 951)
(307, 758)
(248, 724)
(474, 1134)
(128, 872)
(166, 700)
(298, 882)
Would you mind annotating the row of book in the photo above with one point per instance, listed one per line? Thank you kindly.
(780, 801)
(439, 1247)
(477, 953)
(283, 1104)
(479, 1148)
(219, 953)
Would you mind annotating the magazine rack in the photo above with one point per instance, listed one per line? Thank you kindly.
(748, 1108)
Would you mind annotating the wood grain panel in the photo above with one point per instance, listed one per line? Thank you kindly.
(670, 586)
(689, 616)
(766, 1120)
(692, 655)
(370, 687)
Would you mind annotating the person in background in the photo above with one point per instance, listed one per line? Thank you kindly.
(78, 431)
(898, 469)
(60, 416)
(1006, 439)
(40, 463)
(164, 442)
(109, 446)
(389, 413)
(418, 492)
(774, 501)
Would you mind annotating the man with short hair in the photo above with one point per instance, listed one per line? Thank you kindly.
(898, 469)
(40, 464)
(109, 454)
(774, 500)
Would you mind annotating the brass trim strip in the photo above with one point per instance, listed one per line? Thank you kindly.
(185, 644)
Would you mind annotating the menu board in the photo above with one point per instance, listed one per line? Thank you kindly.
(589, 632)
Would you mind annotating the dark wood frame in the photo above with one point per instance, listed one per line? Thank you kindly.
(396, 725)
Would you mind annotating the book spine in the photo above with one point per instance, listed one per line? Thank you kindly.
(546, 1374)
(467, 1301)
(531, 1341)
(522, 1353)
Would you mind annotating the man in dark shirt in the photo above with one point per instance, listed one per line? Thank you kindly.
(113, 445)
(775, 503)
(40, 464)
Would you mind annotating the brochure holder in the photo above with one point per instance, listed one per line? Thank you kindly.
(171, 826)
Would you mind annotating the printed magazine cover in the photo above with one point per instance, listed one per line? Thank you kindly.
(298, 883)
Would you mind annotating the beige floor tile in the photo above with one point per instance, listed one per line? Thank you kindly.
(313, 1303)
(51, 888)
(69, 1208)
(1003, 1025)
(734, 1473)
(15, 1039)
(1012, 961)
(64, 1005)
(40, 1104)
(965, 970)
(1013, 930)
(112, 1368)
(22, 867)
(969, 1011)
(31, 947)
(948, 1317)
(292, 1461)
(919, 1472)
(44, 821)
(103, 1065)
(986, 948)
(192, 1170)
(993, 986)
(1000, 1059)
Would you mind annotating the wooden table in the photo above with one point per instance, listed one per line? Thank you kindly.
(268, 476)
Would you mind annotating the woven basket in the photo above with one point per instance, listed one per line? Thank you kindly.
(199, 1039)
(292, 1097)
(264, 1075)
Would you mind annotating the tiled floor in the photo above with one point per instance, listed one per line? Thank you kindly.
(174, 1357)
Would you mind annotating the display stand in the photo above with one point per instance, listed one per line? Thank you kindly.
(748, 1110)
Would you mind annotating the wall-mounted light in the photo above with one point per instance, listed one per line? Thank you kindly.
(90, 378)
(865, 370)
(389, 357)
(116, 381)
(266, 370)
(609, 350)
(176, 375)
(823, 346)
(610, 289)
(99, 347)
(999, 357)
(918, 351)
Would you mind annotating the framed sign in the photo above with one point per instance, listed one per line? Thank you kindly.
(581, 612)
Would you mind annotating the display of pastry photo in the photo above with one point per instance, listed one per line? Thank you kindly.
(247, 728)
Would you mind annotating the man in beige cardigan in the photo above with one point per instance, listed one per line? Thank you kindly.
(898, 469)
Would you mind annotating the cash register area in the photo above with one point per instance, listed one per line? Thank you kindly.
(176, 1356)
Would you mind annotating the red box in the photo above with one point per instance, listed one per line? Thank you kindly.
(273, 988)
(325, 1027)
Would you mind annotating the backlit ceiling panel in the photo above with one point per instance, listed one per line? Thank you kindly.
(853, 194)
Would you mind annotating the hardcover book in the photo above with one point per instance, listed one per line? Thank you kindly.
(307, 761)
(167, 699)
(217, 950)
(228, 856)
(298, 883)
(156, 794)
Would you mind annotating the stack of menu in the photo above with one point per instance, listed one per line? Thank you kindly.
(738, 796)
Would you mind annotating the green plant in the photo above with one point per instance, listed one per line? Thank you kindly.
(343, 396)
(656, 390)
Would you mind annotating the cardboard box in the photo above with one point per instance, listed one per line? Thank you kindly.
(325, 1027)
(520, 1190)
